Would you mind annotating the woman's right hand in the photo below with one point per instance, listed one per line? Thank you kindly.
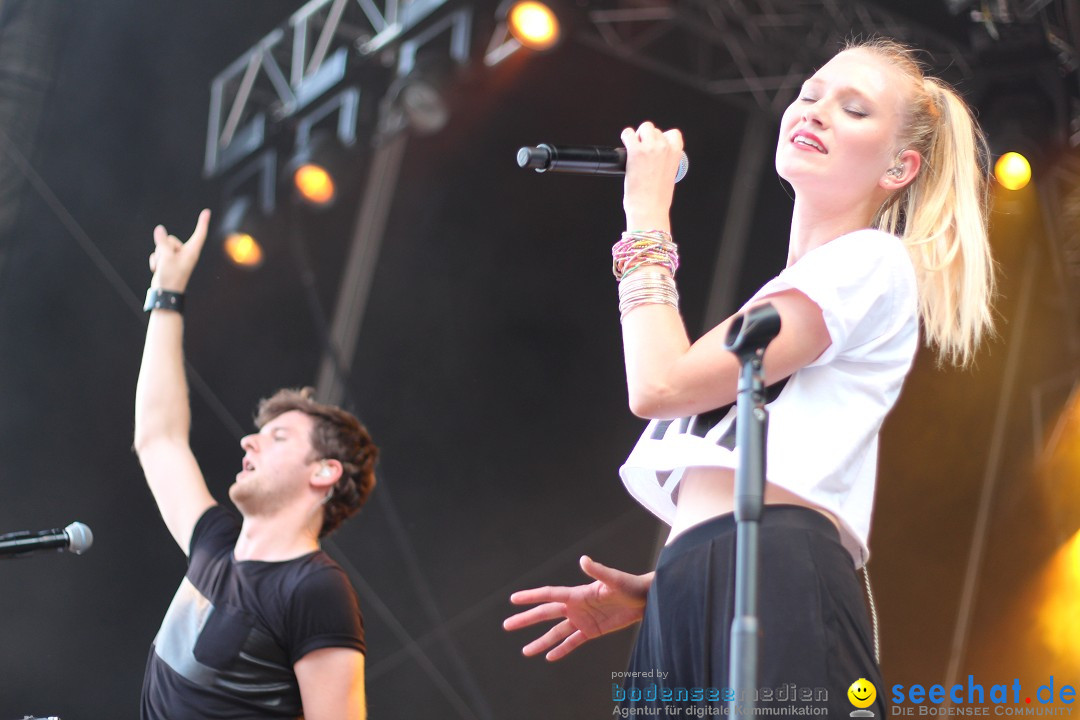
(652, 161)
(615, 600)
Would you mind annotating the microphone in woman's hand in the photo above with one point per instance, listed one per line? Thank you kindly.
(582, 160)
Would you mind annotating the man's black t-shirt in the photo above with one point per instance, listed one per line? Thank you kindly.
(227, 645)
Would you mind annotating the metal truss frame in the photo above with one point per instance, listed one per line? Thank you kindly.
(760, 48)
(295, 64)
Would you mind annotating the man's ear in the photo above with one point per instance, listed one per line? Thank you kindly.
(327, 473)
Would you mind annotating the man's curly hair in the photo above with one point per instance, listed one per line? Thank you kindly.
(336, 435)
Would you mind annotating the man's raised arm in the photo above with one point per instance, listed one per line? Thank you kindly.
(162, 411)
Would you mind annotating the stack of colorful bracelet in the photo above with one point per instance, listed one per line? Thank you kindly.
(637, 250)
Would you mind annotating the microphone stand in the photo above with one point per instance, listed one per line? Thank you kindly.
(749, 335)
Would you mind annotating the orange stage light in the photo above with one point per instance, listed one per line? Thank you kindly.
(243, 250)
(534, 25)
(314, 184)
(1013, 171)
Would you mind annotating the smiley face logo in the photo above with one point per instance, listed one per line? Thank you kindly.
(862, 693)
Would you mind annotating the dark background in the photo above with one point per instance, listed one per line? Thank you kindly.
(488, 369)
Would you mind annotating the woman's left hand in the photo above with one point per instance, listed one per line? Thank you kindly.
(652, 161)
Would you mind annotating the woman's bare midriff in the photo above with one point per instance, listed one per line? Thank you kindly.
(707, 492)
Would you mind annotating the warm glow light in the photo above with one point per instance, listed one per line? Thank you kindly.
(243, 250)
(1059, 614)
(534, 25)
(314, 184)
(1013, 171)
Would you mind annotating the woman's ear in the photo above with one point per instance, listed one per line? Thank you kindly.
(903, 172)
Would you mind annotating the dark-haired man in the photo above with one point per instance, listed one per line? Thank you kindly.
(264, 624)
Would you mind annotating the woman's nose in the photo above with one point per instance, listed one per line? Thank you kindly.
(812, 114)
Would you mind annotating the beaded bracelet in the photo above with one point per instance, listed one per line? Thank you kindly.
(647, 288)
(636, 249)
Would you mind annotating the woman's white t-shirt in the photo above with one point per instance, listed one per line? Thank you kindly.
(824, 423)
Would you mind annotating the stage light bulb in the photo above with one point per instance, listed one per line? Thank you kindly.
(1013, 171)
(243, 250)
(534, 25)
(314, 184)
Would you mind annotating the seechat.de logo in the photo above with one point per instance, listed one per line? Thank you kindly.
(862, 694)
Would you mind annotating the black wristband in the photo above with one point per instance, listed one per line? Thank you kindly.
(158, 299)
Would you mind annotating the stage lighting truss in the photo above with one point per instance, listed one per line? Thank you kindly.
(302, 61)
(749, 50)
(763, 49)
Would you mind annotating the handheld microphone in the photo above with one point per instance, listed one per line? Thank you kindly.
(582, 160)
(75, 538)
